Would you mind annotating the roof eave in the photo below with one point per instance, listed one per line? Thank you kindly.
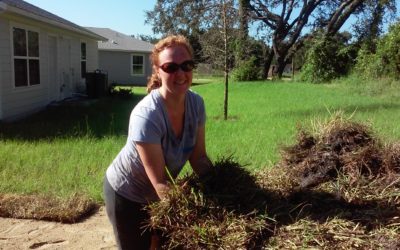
(7, 8)
(126, 50)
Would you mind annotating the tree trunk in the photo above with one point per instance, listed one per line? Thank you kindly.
(226, 70)
(268, 56)
(340, 16)
(281, 65)
(243, 30)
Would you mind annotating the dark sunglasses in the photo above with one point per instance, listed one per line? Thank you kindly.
(172, 67)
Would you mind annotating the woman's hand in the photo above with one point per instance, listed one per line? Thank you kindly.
(199, 160)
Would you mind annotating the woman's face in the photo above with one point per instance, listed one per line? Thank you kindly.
(174, 83)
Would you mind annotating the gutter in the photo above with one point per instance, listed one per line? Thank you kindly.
(7, 8)
(3, 7)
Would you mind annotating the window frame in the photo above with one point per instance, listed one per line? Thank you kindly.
(143, 64)
(29, 59)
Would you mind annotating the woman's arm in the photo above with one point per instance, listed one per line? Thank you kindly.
(154, 165)
(199, 160)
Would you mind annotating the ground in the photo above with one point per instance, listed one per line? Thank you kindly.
(93, 233)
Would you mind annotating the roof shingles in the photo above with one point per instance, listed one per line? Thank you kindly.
(120, 42)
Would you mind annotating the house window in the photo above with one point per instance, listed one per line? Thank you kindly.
(26, 57)
(83, 60)
(137, 65)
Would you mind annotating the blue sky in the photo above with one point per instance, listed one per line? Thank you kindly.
(125, 16)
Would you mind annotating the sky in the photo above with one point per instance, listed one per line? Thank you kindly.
(125, 16)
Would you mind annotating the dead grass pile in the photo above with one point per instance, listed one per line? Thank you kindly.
(335, 233)
(46, 208)
(340, 146)
(340, 189)
(220, 211)
(334, 215)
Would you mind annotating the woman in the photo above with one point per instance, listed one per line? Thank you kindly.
(166, 129)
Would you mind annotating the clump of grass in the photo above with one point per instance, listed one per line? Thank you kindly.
(212, 213)
(42, 207)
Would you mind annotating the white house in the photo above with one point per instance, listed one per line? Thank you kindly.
(124, 58)
(42, 58)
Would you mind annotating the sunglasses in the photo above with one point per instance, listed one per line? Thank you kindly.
(172, 67)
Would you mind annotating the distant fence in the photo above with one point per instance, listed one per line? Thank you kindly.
(207, 69)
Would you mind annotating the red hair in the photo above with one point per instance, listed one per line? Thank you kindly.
(169, 41)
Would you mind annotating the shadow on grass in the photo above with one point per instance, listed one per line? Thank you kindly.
(85, 118)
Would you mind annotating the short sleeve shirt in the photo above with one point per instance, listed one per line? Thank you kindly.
(149, 123)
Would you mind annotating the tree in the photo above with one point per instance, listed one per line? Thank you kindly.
(147, 38)
(370, 22)
(218, 41)
(288, 18)
(286, 29)
(179, 17)
(243, 30)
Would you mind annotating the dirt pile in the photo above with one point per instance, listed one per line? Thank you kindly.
(344, 148)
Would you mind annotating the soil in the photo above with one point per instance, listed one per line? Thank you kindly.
(94, 232)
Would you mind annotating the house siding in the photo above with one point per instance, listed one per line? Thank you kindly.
(118, 67)
(17, 102)
(4, 54)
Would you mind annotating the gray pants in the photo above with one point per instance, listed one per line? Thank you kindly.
(127, 218)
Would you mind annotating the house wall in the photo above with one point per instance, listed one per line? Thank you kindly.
(4, 63)
(118, 66)
(20, 101)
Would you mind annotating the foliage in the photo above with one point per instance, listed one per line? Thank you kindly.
(247, 70)
(370, 21)
(385, 62)
(121, 92)
(327, 59)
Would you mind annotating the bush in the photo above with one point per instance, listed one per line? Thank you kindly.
(247, 70)
(327, 59)
(121, 92)
(385, 62)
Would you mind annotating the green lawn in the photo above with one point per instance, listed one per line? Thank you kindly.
(66, 149)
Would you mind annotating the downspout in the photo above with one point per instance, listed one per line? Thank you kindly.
(3, 8)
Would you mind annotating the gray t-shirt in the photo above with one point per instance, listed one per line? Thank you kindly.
(149, 123)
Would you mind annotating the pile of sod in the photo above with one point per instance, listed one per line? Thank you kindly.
(41, 207)
(336, 188)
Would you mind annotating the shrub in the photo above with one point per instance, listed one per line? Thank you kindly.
(385, 62)
(327, 59)
(121, 92)
(247, 70)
